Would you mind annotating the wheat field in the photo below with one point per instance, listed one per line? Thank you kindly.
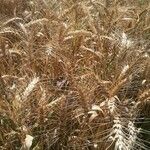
(74, 75)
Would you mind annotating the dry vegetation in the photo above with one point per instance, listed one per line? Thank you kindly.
(74, 74)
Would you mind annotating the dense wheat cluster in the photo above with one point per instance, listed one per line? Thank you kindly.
(75, 74)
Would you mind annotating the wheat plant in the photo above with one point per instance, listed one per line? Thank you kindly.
(74, 74)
